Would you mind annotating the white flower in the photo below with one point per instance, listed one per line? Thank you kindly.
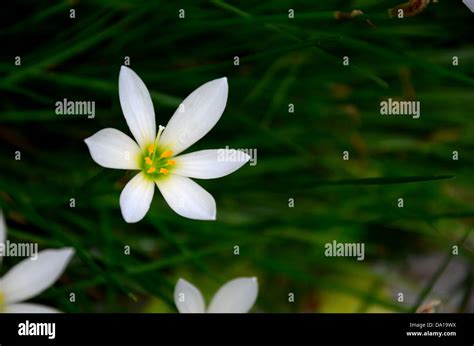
(31, 277)
(154, 154)
(235, 296)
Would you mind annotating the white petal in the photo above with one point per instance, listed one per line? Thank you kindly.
(3, 229)
(469, 4)
(137, 107)
(236, 296)
(187, 198)
(196, 116)
(31, 277)
(187, 298)
(136, 197)
(3, 232)
(30, 309)
(112, 148)
(210, 164)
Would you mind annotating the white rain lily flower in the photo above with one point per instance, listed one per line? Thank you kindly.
(235, 296)
(156, 155)
(31, 277)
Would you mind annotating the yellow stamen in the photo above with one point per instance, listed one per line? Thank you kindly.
(164, 170)
(151, 148)
(151, 170)
(2, 301)
(166, 153)
(148, 161)
(171, 162)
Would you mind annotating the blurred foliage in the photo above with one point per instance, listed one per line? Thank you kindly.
(300, 154)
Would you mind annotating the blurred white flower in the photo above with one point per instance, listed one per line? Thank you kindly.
(154, 154)
(469, 3)
(235, 296)
(30, 277)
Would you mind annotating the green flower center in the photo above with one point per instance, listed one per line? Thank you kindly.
(157, 162)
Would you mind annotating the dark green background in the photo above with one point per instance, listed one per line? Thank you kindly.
(282, 61)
